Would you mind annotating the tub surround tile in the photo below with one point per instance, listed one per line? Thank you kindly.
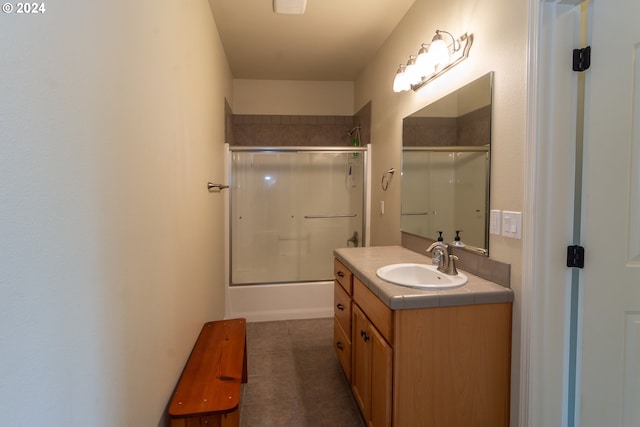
(296, 130)
(284, 130)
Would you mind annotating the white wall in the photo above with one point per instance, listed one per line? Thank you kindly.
(500, 31)
(291, 97)
(111, 248)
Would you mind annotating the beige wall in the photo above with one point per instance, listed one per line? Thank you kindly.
(111, 124)
(500, 45)
(289, 97)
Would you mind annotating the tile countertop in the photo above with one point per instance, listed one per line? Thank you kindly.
(363, 263)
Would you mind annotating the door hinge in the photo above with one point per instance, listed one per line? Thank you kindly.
(575, 256)
(582, 59)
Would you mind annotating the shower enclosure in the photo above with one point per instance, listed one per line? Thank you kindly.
(289, 208)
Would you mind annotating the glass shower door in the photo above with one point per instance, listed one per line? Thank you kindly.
(289, 210)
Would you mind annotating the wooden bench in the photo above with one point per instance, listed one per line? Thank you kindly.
(208, 392)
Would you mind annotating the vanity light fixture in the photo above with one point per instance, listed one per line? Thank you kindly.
(432, 60)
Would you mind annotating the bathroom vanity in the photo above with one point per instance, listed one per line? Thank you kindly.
(421, 357)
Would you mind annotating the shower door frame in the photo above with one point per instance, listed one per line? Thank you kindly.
(366, 194)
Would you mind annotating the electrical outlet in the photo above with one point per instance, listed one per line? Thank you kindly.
(512, 224)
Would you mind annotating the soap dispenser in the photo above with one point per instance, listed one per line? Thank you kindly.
(435, 259)
(457, 242)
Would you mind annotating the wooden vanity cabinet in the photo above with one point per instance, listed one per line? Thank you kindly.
(427, 367)
(342, 316)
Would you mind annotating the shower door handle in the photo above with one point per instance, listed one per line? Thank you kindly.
(330, 216)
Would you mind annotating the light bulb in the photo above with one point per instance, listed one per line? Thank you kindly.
(424, 62)
(400, 82)
(412, 74)
(439, 51)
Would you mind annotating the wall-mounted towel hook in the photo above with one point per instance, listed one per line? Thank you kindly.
(215, 188)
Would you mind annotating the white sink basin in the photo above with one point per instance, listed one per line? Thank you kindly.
(422, 276)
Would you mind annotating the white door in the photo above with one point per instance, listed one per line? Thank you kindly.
(609, 362)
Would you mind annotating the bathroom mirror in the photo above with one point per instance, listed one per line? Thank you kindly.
(446, 153)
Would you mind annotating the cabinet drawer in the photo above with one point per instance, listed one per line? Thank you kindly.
(342, 345)
(379, 314)
(343, 275)
(342, 307)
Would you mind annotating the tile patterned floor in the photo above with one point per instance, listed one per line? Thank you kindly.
(295, 379)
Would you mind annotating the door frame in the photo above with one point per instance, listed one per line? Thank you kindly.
(548, 220)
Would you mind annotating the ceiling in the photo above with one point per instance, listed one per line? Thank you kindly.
(332, 41)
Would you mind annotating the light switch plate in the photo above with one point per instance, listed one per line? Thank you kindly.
(495, 218)
(296, 7)
(512, 224)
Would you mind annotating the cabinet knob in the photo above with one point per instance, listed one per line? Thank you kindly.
(340, 307)
(340, 274)
(339, 345)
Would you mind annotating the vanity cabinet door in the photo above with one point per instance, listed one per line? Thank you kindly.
(381, 384)
(372, 371)
(361, 372)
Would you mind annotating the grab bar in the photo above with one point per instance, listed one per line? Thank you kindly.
(330, 216)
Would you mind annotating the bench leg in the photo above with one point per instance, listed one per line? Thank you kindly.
(244, 361)
(231, 419)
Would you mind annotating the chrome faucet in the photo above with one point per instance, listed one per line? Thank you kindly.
(447, 264)
(443, 265)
